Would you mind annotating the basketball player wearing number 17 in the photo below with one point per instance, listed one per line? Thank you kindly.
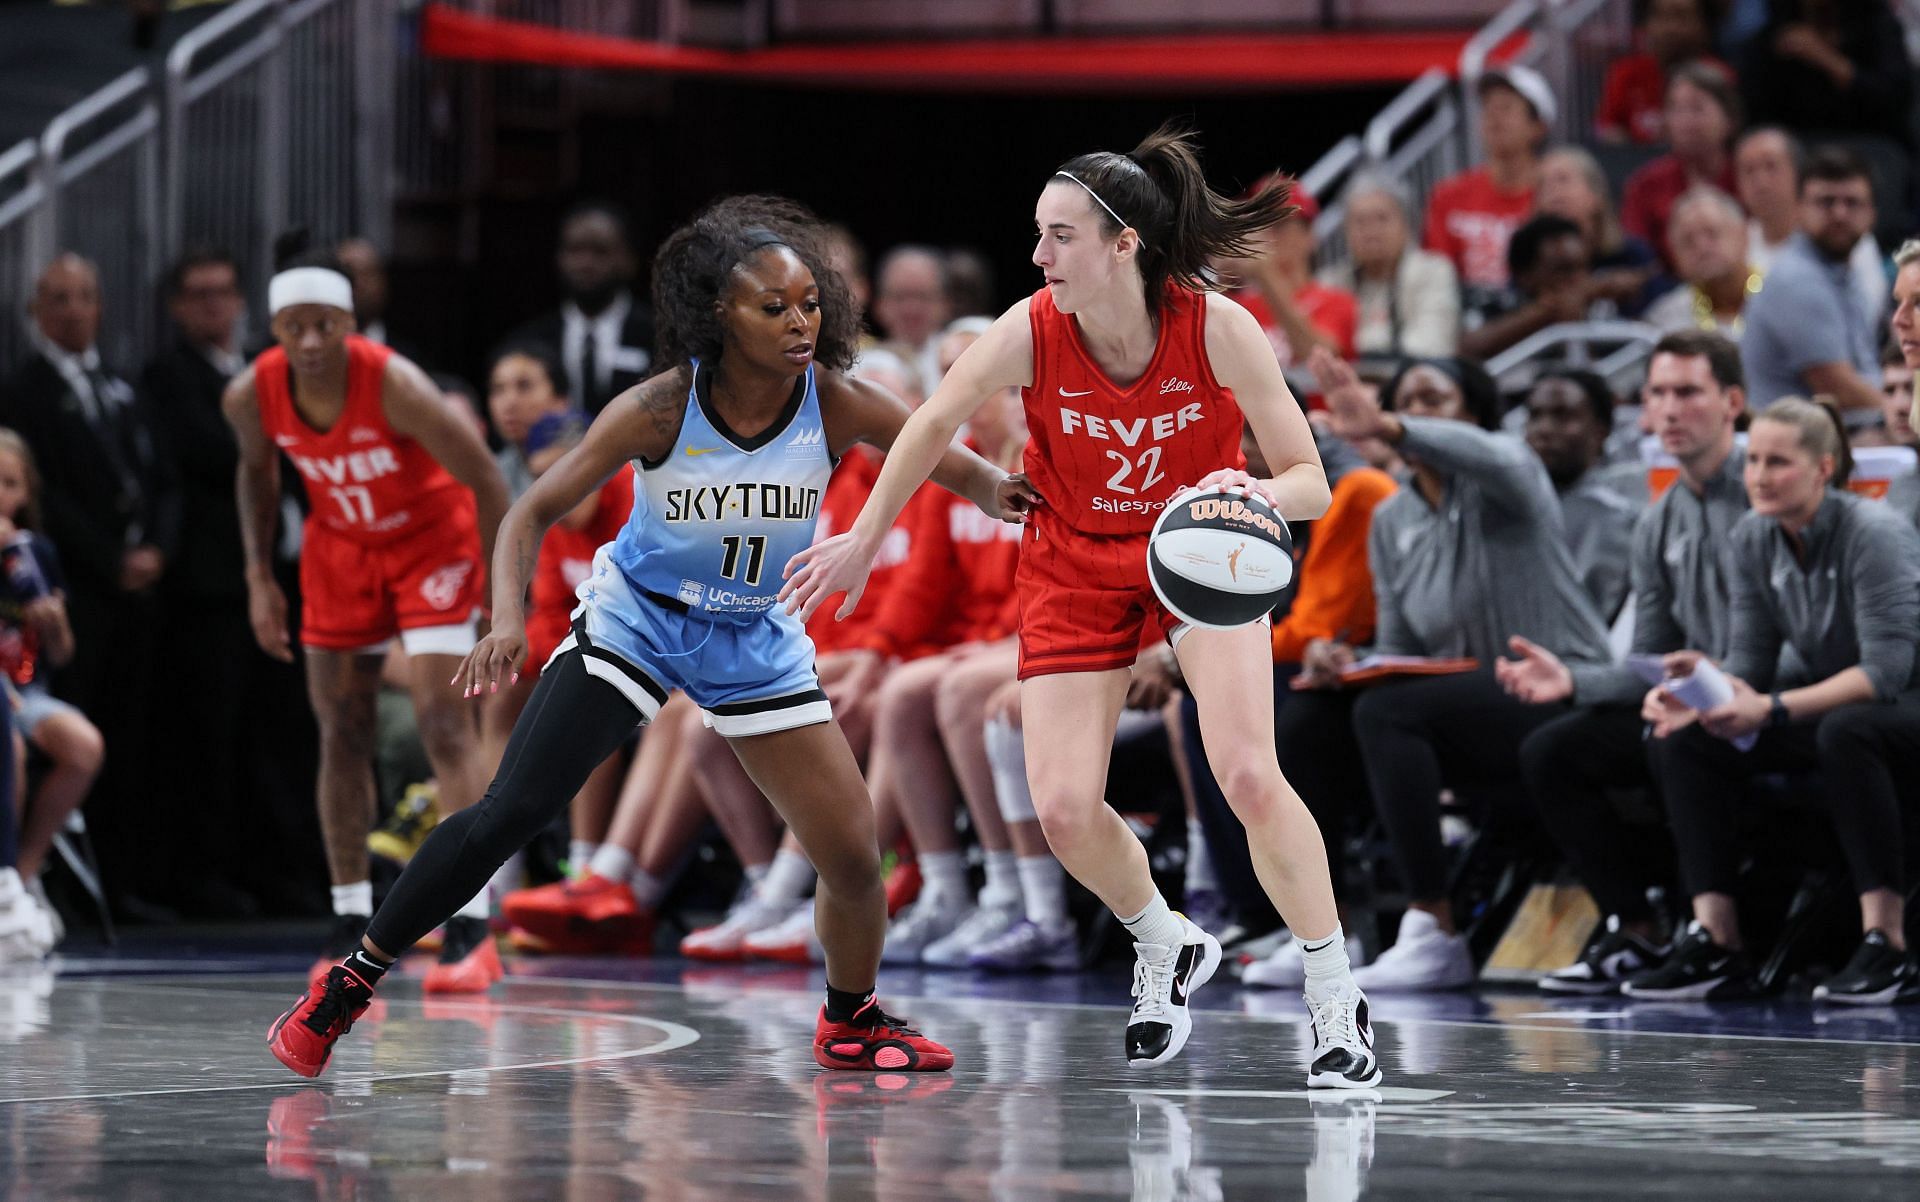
(1135, 379)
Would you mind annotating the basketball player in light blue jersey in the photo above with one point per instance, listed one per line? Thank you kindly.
(732, 446)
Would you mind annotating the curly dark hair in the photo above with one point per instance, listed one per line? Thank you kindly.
(691, 272)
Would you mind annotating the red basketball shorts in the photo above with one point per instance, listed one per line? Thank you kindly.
(425, 586)
(1085, 602)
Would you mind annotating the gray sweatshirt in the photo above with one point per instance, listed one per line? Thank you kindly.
(1600, 510)
(1903, 497)
(1853, 601)
(1490, 562)
(1682, 581)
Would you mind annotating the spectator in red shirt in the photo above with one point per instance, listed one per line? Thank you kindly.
(1703, 115)
(1470, 216)
(1632, 100)
(1277, 286)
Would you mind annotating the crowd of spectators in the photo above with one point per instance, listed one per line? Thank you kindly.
(1466, 646)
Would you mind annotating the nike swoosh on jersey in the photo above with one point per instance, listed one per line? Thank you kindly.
(1088, 392)
(703, 450)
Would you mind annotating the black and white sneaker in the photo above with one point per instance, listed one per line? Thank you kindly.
(1698, 969)
(1878, 975)
(1342, 1041)
(1163, 979)
(1608, 961)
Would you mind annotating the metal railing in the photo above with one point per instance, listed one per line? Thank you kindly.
(1613, 350)
(274, 113)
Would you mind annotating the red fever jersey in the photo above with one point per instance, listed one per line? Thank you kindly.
(956, 586)
(392, 539)
(366, 481)
(566, 559)
(1107, 458)
(847, 490)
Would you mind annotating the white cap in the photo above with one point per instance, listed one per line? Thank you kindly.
(309, 286)
(1532, 86)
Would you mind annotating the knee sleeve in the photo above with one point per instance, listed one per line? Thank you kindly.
(1007, 755)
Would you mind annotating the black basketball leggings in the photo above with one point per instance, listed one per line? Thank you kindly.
(571, 724)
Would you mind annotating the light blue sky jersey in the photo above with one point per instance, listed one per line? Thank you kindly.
(715, 521)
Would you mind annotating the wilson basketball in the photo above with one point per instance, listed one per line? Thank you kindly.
(1219, 559)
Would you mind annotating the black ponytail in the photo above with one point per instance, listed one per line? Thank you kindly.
(1159, 189)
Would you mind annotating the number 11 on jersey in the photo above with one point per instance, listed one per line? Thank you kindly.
(756, 548)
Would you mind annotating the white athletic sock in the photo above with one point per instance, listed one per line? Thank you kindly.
(476, 907)
(647, 888)
(1200, 875)
(1326, 961)
(1003, 880)
(356, 898)
(788, 880)
(509, 876)
(611, 861)
(1043, 886)
(579, 855)
(945, 874)
(1156, 924)
(1007, 757)
(756, 873)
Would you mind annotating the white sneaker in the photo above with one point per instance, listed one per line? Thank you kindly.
(792, 942)
(25, 933)
(1286, 968)
(1164, 978)
(749, 916)
(55, 924)
(1342, 1041)
(986, 924)
(1029, 946)
(1425, 958)
(931, 917)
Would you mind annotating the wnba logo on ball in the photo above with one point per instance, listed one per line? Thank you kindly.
(1209, 509)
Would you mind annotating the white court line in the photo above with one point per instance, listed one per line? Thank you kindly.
(676, 1036)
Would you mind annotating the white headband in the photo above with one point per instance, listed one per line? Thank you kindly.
(309, 286)
(1103, 204)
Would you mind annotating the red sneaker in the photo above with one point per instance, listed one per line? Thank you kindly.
(303, 1037)
(473, 970)
(903, 885)
(874, 1040)
(592, 913)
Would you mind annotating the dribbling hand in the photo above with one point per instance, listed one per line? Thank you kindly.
(495, 657)
(1233, 479)
(267, 612)
(833, 565)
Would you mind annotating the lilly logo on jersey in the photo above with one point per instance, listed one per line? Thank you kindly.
(1175, 384)
(363, 434)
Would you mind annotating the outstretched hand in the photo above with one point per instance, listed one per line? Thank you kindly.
(493, 657)
(833, 565)
(1537, 677)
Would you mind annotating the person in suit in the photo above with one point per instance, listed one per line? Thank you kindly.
(604, 332)
(113, 512)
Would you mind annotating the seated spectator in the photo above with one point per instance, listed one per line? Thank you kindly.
(1708, 234)
(970, 291)
(1702, 115)
(1807, 333)
(911, 305)
(1681, 567)
(1768, 163)
(1903, 416)
(1836, 578)
(1832, 66)
(26, 930)
(524, 384)
(848, 257)
(1469, 553)
(1408, 299)
(602, 331)
(1277, 286)
(1569, 418)
(1668, 32)
(1626, 270)
(36, 638)
(1552, 283)
(1470, 216)
(1332, 600)
(1891, 429)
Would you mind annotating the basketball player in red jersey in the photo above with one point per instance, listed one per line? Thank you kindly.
(1135, 375)
(403, 496)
